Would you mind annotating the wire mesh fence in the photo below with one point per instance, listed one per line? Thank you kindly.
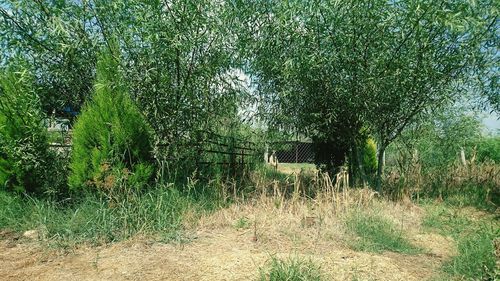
(292, 151)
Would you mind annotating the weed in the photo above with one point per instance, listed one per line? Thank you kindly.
(377, 234)
(446, 221)
(242, 223)
(293, 269)
(96, 220)
(475, 259)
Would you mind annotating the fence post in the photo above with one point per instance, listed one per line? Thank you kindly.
(266, 154)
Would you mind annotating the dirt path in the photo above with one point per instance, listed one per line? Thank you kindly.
(222, 254)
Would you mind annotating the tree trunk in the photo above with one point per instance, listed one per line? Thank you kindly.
(350, 160)
(380, 167)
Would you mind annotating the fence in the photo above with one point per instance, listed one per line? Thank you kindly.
(231, 154)
(293, 151)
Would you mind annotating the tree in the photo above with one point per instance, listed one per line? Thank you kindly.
(439, 137)
(59, 42)
(431, 61)
(178, 59)
(343, 70)
(24, 158)
(111, 141)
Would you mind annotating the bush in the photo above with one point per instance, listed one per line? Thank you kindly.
(370, 157)
(111, 140)
(489, 149)
(25, 158)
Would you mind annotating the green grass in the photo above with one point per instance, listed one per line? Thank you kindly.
(292, 269)
(242, 223)
(474, 237)
(299, 166)
(377, 234)
(475, 259)
(158, 212)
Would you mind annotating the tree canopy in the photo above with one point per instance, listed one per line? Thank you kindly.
(337, 71)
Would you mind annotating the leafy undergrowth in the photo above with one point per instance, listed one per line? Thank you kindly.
(292, 269)
(377, 234)
(474, 234)
(95, 220)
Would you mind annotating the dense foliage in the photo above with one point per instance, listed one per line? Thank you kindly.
(24, 157)
(334, 72)
(339, 69)
(111, 140)
(489, 149)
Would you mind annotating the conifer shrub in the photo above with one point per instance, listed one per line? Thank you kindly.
(25, 159)
(370, 157)
(111, 140)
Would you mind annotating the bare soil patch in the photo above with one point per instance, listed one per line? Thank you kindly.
(227, 254)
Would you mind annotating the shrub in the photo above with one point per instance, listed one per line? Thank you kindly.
(25, 157)
(370, 157)
(489, 149)
(111, 140)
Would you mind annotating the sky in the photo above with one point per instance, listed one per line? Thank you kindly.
(492, 122)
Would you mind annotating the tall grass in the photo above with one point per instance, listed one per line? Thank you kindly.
(477, 184)
(93, 219)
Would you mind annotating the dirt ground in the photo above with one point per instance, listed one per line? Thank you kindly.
(217, 250)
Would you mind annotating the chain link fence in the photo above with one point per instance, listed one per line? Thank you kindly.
(292, 152)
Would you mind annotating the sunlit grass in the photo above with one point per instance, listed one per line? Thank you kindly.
(292, 269)
(474, 237)
(377, 234)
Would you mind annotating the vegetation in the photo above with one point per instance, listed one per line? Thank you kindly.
(111, 141)
(293, 269)
(94, 219)
(345, 69)
(377, 234)
(475, 241)
(489, 149)
(25, 161)
(170, 106)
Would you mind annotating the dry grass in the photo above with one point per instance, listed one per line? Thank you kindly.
(280, 221)
(311, 230)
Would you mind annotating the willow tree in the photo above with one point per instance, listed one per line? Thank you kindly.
(177, 58)
(344, 69)
(59, 41)
(440, 52)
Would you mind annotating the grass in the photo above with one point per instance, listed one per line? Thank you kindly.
(474, 237)
(159, 212)
(299, 166)
(242, 223)
(292, 269)
(377, 234)
(475, 259)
